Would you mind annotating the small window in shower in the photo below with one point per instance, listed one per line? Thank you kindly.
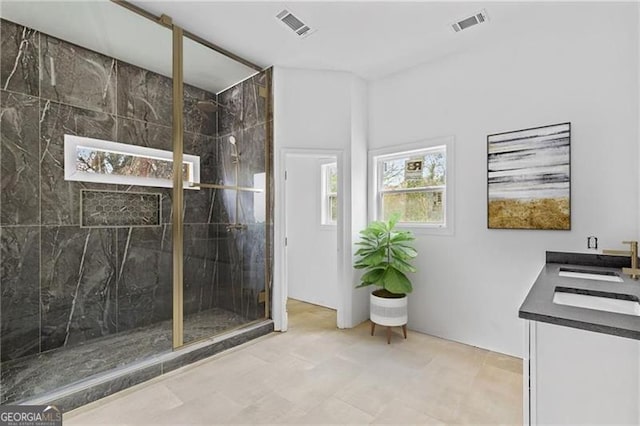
(329, 191)
(96, 160)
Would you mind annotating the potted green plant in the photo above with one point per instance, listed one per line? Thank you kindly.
(385, 254)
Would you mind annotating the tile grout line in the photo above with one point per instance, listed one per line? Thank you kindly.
(115, 115)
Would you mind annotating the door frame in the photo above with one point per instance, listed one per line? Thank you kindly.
(280, 283)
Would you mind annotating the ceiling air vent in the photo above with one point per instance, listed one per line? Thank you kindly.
(472, 20)
(294, 23)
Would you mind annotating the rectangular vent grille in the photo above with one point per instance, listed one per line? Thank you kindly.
(291, 21)
(294, 23)
(471, 21)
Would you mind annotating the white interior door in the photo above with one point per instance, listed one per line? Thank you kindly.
(311, 240)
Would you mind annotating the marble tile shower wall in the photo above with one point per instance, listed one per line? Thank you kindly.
(244, 117)
(62, 285)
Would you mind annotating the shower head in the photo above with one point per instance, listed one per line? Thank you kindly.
(207, 107)
(234, 153)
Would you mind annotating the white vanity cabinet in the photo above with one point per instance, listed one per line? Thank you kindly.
(579, 377)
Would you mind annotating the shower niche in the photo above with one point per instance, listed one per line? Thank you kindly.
(110, 274)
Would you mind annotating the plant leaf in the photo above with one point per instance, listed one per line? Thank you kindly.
(403, 266)
(374, 258)
(373, 276)
(396, 282)
(403, 252)
(393, 220)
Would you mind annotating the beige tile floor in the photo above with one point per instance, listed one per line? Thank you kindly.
(317, 374)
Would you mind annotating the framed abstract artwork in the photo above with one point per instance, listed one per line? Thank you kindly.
(529, 178)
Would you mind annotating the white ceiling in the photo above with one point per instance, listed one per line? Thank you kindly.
(371, 39)
(107, 28)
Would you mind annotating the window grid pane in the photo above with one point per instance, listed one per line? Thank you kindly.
(329, 213)
(333, 209)
(417, 170)
(413, 184)
(415, 207)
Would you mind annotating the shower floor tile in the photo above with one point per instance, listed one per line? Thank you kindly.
(38, 374)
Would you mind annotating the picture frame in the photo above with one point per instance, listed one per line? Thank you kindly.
(529, 178)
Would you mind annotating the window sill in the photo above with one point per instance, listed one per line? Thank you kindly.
(423, 229)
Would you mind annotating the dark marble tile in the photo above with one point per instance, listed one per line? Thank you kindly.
(209, 323)
(145, 266)
(254, 262)
(229, 157)
(19, 158)
(19, 58)
(77, 76)
(249, 206)
(31, 376)
(254, 100)
(19, 291)
(165, 198)
(197, 119)
(60, 198)
(197, 354)
(217, 235)
(120, 209)
(207, 206)
(222, 202)
(200, 205)
(225, 206)
(251, 149)
(143, 133)
(197, 202)
(230, 280)
(230, 111)
(242, 270)
(206, 147)
(267, 81)
(144, 95)
(199, 261)
(78, 285)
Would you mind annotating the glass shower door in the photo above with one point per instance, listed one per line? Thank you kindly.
(85, 144)
(224, 232)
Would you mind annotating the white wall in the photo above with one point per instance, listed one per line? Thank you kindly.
(312, 261)
(323, 110)
(575, 62)
(358, 190)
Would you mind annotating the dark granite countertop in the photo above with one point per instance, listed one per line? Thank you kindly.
(539, 306)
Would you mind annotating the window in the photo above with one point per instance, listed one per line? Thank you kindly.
(95, 160)
(412, 181)
(329, 191)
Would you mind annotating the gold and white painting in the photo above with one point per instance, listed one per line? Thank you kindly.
(529, 178)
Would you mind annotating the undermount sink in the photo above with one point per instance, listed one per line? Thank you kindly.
(600, 301)
(590, 274)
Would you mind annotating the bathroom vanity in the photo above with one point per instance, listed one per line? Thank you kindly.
(582, 342)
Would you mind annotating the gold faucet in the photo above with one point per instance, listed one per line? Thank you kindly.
(633, 272)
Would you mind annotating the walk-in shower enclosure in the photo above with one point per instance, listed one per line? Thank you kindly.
(135, 207)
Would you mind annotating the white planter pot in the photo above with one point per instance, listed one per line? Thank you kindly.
(388, 312)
